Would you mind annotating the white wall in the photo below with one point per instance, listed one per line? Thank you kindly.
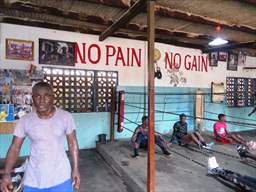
(128, 76)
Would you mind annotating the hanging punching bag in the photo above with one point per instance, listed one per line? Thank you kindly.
(121, 111)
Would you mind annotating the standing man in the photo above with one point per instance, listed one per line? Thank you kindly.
(48, 169)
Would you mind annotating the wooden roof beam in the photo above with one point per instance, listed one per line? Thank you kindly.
(179, 14)
(31, 13)
(114, 3)
(96, 29)
(249, 1)
(250, 44)
(135, 9)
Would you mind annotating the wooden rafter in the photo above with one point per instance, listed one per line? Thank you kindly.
(30, 12)
(116, 3)
(178, 14)
(74, 13)
(124, 19)
(250, 1)
(94, 19)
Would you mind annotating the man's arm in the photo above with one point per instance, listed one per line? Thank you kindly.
(11, 158)
(13, 153)
(135, 134)
(222, 137)
(74, 152)
(173, 132)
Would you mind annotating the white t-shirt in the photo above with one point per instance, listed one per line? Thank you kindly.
(48, 164)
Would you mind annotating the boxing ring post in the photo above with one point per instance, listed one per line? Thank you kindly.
(199, 110)
(151, 109)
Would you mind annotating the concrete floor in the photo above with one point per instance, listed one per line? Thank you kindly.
(184, 171)
(112, 169)
(97, 175)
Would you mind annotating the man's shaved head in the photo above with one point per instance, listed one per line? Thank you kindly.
(41, 85)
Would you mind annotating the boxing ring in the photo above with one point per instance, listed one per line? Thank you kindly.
(128, 113)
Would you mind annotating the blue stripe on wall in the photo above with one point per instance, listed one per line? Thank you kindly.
(90, 125)
(238, 114)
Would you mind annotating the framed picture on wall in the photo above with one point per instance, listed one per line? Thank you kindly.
(241, 58)
(232, 61)
(223, 56)
(217, 92)
(19, 49)
(54, 52)
(213, 59)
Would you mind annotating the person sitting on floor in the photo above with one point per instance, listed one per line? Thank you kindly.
(245, 153)
(140, 138)
(223, 136)
(247, 183)
(181, 135)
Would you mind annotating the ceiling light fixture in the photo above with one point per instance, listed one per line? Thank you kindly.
(218, 41)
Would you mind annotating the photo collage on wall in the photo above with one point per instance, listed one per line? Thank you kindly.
(15, 94)
(16, 85)
(232, 59)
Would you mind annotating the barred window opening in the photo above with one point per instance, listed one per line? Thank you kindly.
(79, 90)
(240, 91)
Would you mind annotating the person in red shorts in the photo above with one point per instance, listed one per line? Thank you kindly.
(223, 136)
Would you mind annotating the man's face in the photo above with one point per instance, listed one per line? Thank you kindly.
(43, 99)
(182, 120)
(223, 119)
(145, 122)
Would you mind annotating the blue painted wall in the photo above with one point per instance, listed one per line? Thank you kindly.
(176, 104)
(134, 108)
(89, 125)
(235, 114)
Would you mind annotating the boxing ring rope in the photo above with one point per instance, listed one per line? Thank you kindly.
(175, 93)
(202, 118)
(128, 121)
(234, 117)
(169, 137)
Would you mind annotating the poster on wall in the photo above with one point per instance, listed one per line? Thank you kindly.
(213, 58)
(223, 56)
(6, 83)
(19, 49)
(232, 62)
(6, 112)
(217, 92)
(52, 52)
(22, 98)
(241, 59)
(16, 90)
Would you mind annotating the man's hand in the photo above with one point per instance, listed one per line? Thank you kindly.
(76, 179)
(6, 184)
(12, 155)
(73, 149)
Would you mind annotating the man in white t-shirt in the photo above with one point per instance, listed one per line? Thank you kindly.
(48, 169)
